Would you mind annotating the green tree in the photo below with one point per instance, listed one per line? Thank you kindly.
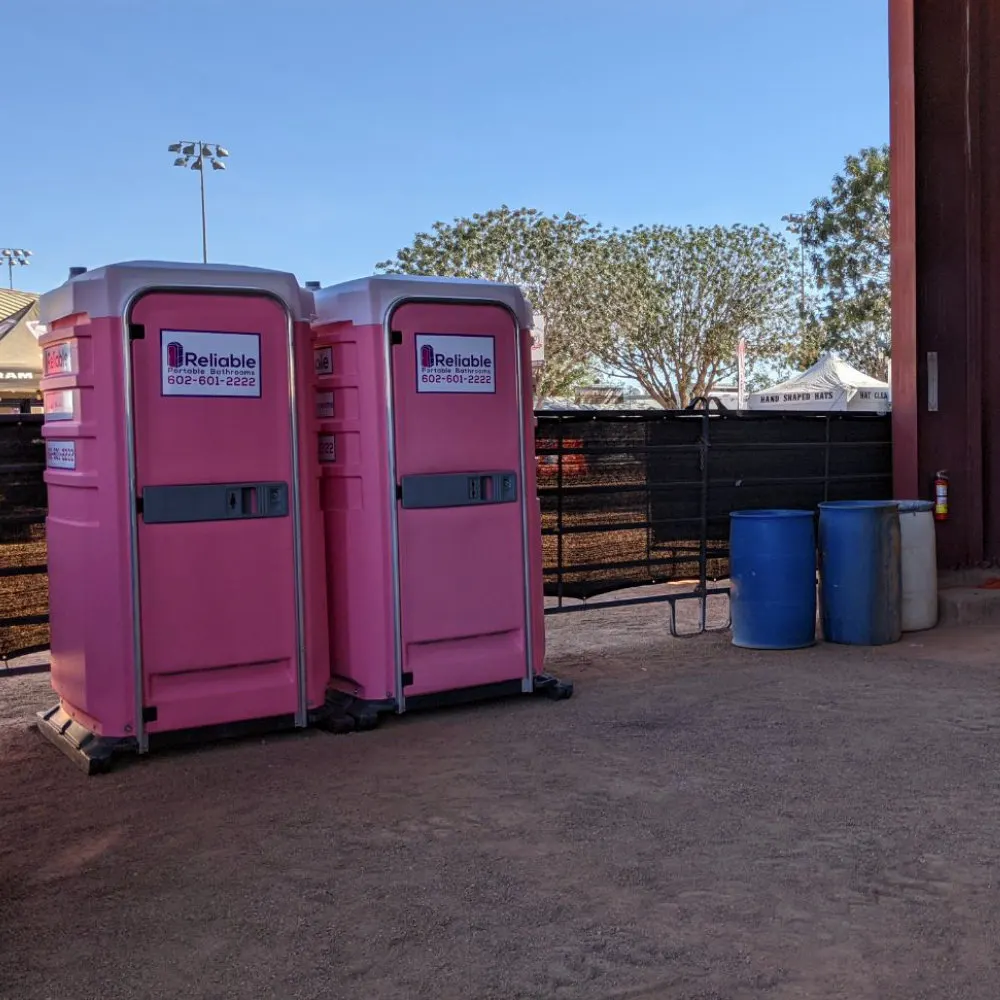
(678, 300)
(543, 254)
(846, 235)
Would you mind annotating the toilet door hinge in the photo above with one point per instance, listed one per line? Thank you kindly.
(395, 337)
(136, 331)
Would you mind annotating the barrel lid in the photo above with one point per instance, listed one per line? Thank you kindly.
(856, 504)
(915, 506)
(770, 513)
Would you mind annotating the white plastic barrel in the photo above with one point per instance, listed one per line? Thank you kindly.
(919, 564)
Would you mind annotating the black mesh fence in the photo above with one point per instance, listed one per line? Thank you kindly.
(24, 586)
(627, 499)
(632, 499)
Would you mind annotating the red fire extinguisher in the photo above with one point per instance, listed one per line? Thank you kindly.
(941, 495)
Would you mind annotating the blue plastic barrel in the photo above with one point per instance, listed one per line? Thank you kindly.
(860, 577)
(772, 575)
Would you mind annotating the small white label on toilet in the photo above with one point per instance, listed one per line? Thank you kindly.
(60, 454)
(327, 448)
(324, 405)
(60, 404)
(323, 360)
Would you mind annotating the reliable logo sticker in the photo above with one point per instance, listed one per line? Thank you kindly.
(455, 363)
(197, 363)
(175, 354)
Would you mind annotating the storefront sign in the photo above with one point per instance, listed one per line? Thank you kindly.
(796, 397)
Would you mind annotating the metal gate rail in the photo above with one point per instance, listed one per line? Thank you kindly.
(641, 498)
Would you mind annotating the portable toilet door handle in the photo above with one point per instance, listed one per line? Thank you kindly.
(457, 489)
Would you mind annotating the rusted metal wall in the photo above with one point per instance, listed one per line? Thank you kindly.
(945, 92)
(904, 250)
(989, 255)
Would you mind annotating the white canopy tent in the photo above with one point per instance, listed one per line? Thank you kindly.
(830, 384)
(556, 403)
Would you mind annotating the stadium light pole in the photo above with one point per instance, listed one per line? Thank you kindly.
(193, 155)
(12, 256)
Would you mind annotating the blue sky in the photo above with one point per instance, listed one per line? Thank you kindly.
(353, 125)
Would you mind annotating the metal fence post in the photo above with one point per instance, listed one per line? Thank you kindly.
(704, 446)
(826, 460)
(560, 454)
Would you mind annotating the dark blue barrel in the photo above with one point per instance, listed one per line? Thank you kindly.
(772, 576)
(861, 601)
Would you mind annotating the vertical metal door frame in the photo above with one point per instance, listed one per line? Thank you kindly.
(527, 682)
(301, 712)
(390, 435)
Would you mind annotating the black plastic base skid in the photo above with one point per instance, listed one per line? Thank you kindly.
(552, 687)
(95, 754)
(344, 713)
(341, 713)
(91, 753)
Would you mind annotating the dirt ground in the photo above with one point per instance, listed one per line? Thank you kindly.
(697, 822)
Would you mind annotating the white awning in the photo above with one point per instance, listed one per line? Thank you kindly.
(829, 385)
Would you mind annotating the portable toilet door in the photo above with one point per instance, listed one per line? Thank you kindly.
(457, 443)
(214, 439)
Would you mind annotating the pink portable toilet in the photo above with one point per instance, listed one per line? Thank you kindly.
(182, 479)
(433, 530)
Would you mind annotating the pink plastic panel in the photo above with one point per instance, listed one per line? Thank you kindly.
(217, 597)
(349, 398)
(314, 555)
(462, 577)
(88, 526)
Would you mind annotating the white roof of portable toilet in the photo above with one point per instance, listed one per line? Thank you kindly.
(830, 384)
(106, 290)
(367, 301)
